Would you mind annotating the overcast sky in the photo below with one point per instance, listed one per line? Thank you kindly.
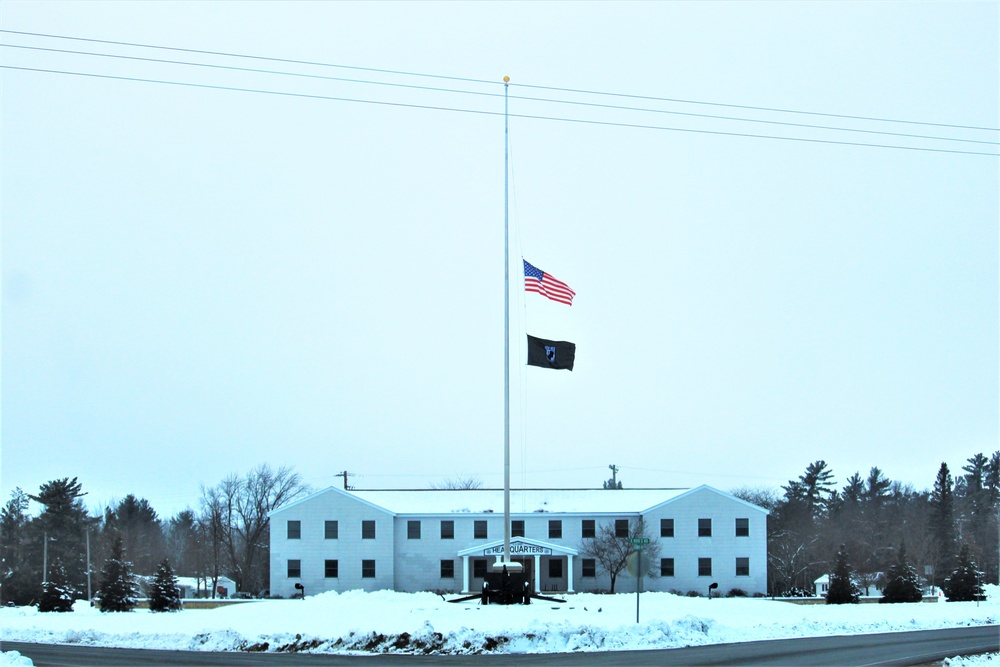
(199, 280)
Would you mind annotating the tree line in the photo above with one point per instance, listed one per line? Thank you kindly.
(873, 518)
(227, 535)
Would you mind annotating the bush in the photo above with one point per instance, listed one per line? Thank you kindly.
(693, 594)
(736, 593)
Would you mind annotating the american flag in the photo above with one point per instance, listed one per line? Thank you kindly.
(536, 280)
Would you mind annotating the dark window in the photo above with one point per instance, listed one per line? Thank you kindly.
(330, 569)
(589, 568)
(555, 568)
(294, 530)
(555, 529)
(621, 527)
(367, 569)
(517, 528)
(413, 530)
(447, 530)
(743, 528)
(331, 530)
(479, 530)
(704, 527)
(742, 567)
(588, 528)
(666, 567)
(704, 567)
(447, 569)
(294, 569)
(479, 567)
(368, 530)
(666, 527)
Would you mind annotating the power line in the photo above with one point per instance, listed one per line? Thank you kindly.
(495, 113)
(495, 83)
(479, 93)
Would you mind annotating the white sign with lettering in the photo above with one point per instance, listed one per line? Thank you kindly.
(519, 549)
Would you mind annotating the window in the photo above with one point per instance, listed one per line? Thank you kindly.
(331, 530)
(589, 567)
(413, 530)
(555, 529)
(330, 569)
(479, 567)
(666, 527)
(555, 568)
(447, 530)
(666, 567)
(479, 530)
(368, 530)
(704, 567)
(621, 527)
(588, 528)
(294, 569)
(295, 530)
(743, 528)
(448, 569)
(704, 527)
(742, 567)
(517, 528)
(367, 569)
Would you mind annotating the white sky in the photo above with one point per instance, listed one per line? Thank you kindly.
(196, 281)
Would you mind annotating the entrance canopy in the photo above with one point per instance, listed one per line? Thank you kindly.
(520, 546)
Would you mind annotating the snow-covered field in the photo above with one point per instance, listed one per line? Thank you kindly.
(423, 622)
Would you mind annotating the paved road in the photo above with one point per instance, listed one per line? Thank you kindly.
(895, 648)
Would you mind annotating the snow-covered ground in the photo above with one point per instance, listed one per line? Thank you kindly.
(423, 622)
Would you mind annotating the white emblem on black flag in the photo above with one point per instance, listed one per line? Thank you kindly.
(551, 353)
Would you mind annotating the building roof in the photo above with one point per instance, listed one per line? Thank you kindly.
(522, 501)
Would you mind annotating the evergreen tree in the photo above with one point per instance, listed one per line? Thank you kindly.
(141, 532)
(941, 525)
(118, 590)
(965, 582)
(57, 594)
(163, 593)
(18, 582)
(64, 523)
(904, 582)
(842, 587)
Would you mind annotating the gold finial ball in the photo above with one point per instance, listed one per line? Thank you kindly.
(506, 79)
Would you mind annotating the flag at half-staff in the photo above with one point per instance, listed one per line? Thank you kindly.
(559, 354)
(536, 280)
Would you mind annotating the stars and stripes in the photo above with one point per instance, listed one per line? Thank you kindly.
(536, 280)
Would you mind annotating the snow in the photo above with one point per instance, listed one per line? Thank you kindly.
(424, 622)
(14, 659)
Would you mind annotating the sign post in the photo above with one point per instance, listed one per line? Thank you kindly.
(639, 543)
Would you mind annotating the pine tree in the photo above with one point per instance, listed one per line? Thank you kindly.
(57, 594)
(163, 594)
(18, 578)
(904, 582)
(842, 588)
(63, 523)
(118, 590)
(941, 525)
(965, 582)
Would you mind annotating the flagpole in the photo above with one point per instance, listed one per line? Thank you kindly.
(506, 325)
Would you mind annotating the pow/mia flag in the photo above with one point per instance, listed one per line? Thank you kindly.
(551, 353)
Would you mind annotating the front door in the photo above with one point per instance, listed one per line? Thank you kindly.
(528, 563)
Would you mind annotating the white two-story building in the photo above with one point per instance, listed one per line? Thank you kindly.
(445, 540)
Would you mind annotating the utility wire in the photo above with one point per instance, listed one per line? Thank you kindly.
(479, 93)
(495, 83)
(494, 113)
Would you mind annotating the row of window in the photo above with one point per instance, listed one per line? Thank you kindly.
(331, 529)
(331, 568)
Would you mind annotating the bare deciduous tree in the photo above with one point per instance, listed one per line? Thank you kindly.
(469, 482)
(611, 551)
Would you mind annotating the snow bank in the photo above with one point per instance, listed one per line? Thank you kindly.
(389, 622)
(14, 659)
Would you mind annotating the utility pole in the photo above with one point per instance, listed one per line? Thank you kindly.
(45, 557)
(345, 475)
(90, 597)
(614, 476)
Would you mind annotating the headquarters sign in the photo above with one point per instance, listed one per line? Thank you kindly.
(519, 549)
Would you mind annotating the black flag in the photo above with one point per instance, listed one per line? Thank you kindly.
(550, 353)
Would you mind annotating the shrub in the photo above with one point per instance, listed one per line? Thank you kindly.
(736, 593)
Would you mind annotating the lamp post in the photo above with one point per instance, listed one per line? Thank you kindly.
(300, 587)
(711, 587)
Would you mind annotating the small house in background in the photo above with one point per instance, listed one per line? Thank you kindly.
(822, 586)
(191, 587)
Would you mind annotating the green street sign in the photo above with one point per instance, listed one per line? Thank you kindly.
(639, 541)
